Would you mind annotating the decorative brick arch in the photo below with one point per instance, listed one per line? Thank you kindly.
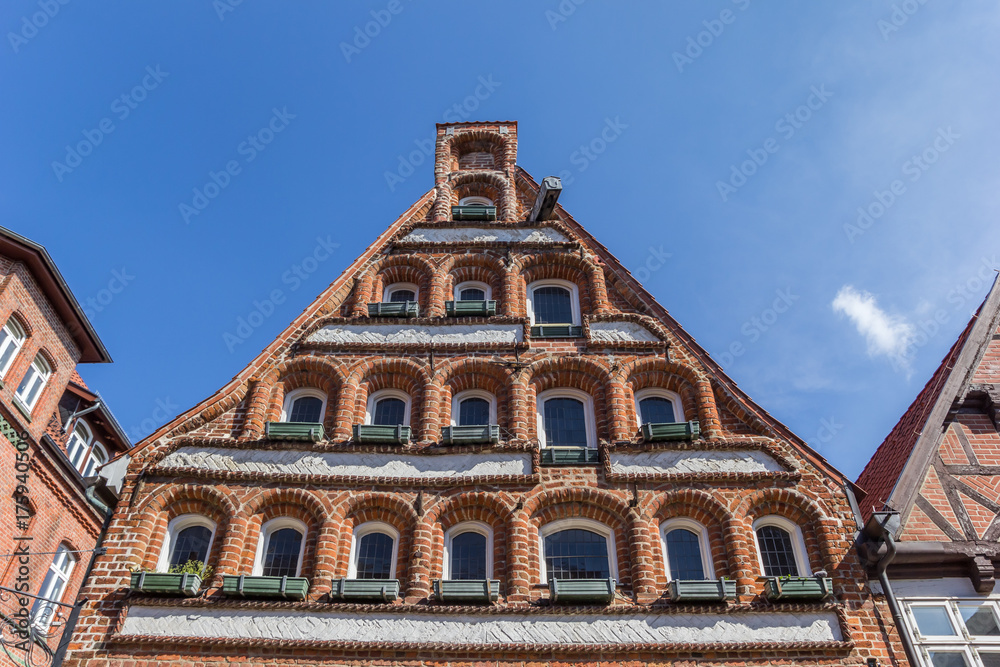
(483, 267)
(372, 374)
(482, 507)
(473, 373)
(818, 530)
(694, 389)
(386, 508)
(573, 373)
(468, 183)
(408, 268)
(586, 274)
(268, 394)
(286, 503)
(476, 141)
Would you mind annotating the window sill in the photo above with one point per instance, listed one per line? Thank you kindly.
(22, 407)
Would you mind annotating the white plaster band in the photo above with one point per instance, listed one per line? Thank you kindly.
(410, 334)
(621, 332)
(688, 461)
(484, 235)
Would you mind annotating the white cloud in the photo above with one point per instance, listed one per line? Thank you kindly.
(887, 335)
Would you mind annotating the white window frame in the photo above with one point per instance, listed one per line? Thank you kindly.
(476, 201)
(92, 466)
(472, 284)
(457, 399)
(574, 298)
(584, 524)
(387, 393)
(389, 289)
(77, 455)
(290, 398)
(698, 529)
(798, 542)
(459, 529)
(176, 526)
(365, 529)
(962, 641)
(566, 392)
(14, 335)
(653, 392)
(267, 531)
(40, 368)
(54, 589)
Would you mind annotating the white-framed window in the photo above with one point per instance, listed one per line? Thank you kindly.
(566, 418)
(12, 338)
(577, 549)
(468, 551)
(658, 406)
(686, 550)
(98, 456)
(373, 551)
(388, 407)
(280, 547)
(304, 405)
(554, 302)
(400, 292)
(781, 548)
(955, 631)
(53, 587)
(78, 445)
(475, 201)
(473, 290)
(33, 382)
(189, 537)
(473, 407)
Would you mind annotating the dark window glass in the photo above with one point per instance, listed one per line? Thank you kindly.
(468, 556)
(979, 620)
(576, 554)
(552, 305)
(472, 294)
(990, 659)
(565, 423)
(191, 544)
(657, 410)
(684, 554)
(375, 556)
(389, 412)
(776, 551)
(307, 409)
(474, 412)
(948, 659)
(402, 295)
(282, 557)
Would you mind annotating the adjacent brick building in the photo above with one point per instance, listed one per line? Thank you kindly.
(483, 443)
(56, 436)
(934, 485)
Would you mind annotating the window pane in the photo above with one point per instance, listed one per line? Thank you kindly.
(565, 424)
(77, 447)
(10, 343)
(933, 621)
(948, 659)
(307, 409)
(776, 551)
(97, 458)
(389, 412)
(979, 619)
(374, 559)
(990, 659)
(402, 295)
(657, 410)
(684, 554)
(552, 305)
(53, 587)
(30, 384)
(474, 412)
(472, 294)
(191, 544)
(468, 556)
(576, 554)
(282, 556)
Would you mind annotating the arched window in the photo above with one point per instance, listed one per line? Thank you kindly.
(781, 547)
(12, 337)
(53, 588)
(566, 419)
(658, 406)
(468, 552)
(553, 302)
(388, 407)
(189, 538)
(373, 551)
(685, 550)
(279, 550)
(472, 291)
(400, 292)
(98, 456)
(577, 549)
(78, 445)
(33, 382)
(473, 408)
(304, 406)
(475, 201)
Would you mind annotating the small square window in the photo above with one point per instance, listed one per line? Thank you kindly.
(933, 621)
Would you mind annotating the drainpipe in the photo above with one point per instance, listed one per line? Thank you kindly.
(79, 414)
(877, 524)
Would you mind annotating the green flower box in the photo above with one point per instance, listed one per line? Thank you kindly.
(365, 590)
(582, 591)
(161, 583)
(556, 331)
(798, 588)
(470, 308)
(481, 213)
(470, 435)
(473, 591)
(675, 431)
(242, 586)
(569, 455)
(702, 590)
(394, 309)
(381, 435)
(308, 431)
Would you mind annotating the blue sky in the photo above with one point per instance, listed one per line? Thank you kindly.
(747, 136)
